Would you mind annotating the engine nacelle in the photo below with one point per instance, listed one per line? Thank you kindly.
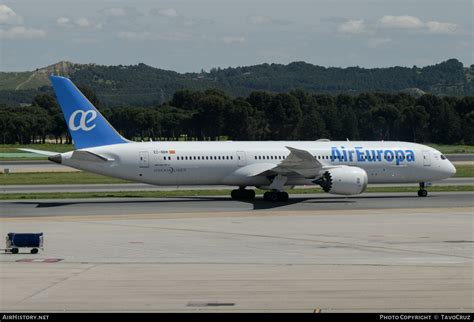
(343, 181)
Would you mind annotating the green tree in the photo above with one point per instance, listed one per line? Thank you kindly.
(415, 121)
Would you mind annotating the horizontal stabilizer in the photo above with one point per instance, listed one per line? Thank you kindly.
(42, 152)
(89, 156)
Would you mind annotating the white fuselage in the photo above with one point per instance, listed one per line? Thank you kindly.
(231, 163)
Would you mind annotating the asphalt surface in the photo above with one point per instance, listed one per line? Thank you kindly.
(33, 166)
(146, 187)
(390, 252)
(310, 202)
(460, 157)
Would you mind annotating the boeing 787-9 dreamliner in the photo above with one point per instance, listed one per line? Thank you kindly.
(339, 167)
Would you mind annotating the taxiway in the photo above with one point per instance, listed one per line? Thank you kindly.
(375, 252)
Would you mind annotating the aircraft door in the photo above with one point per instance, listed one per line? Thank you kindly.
(241, 159)
(426, 158)
(143, 159)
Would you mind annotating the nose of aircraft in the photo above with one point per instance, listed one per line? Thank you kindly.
(451, 169)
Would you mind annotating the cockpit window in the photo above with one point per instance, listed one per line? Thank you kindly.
(443, 157)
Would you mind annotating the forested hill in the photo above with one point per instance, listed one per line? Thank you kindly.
(143, 85)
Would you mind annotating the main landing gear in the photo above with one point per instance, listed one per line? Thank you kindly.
(242, 194)
(422, 192)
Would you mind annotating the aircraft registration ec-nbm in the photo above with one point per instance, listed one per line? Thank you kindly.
(339, 167)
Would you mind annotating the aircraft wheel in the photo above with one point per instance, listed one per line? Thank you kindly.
(270, 196)
(283, 196)
(34, 251)
(242, 194)
(422, 193)
(234, 194)
(15, 250)
(250, 194)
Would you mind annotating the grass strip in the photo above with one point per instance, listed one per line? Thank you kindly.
(56, 178)
(452, 149)
(13, 148)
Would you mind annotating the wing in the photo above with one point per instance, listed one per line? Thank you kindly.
(299, 163)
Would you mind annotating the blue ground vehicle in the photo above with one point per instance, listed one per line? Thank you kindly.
(14, 241)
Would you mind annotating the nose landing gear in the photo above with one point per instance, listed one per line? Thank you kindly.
(422, 192)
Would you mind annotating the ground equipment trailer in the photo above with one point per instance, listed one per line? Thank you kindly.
(15, 241)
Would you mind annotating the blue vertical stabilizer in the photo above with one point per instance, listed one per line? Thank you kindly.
(87, 126)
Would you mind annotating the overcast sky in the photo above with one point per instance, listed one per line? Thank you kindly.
(190, 35)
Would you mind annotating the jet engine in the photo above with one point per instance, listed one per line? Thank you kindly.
(343, 181)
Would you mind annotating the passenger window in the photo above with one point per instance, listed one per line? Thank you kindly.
(443, 157)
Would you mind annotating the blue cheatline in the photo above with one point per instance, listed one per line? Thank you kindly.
(87, 126)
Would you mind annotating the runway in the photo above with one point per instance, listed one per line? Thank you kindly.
(375, 252)
(25, 166)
